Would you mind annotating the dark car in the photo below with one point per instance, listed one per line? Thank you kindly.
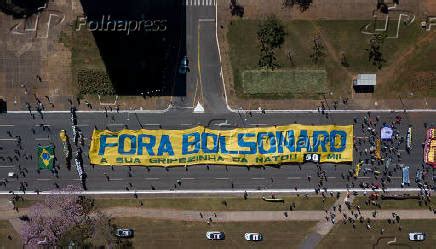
(184, 65)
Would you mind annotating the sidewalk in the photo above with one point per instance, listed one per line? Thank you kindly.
(240, 216)
(323, 227)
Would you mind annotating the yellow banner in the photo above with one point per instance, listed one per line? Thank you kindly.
(242, 146)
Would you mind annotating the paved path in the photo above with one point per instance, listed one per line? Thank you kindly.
(241, 216)
(323, 227)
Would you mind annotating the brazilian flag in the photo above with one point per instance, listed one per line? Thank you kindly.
(45, 157)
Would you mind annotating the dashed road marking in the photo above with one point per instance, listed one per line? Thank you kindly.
(6, 125)
(152, 178)
(8, 139)
(42, 139)
(44, 179)
(258, 178)
(221, 178)
(188, 178)
(7, 166)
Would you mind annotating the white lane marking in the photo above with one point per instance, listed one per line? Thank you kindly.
(258, 178)
(294, 177)
(42, 139)
(186, 124)
(8, 139)
(7, 166)
(253, 111)
(152, 178)
(115, 179)
(188, 178)
(46, 125)
(221, 178)
(363, 177)
(205, 191)
(206, 20)
(115, 124)
(44, 179)
(82, 125)
(6, 125)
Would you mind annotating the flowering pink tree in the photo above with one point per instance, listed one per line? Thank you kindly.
(51, 219)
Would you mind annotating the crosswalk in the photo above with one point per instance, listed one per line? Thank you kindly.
(200, 2)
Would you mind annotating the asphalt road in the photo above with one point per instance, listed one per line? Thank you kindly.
(194, 177)
(203, 81)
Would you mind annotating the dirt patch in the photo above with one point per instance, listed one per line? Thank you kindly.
(320, 9)
(429, 7)
(394, 70)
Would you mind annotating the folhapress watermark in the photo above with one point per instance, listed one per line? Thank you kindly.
(106, 23)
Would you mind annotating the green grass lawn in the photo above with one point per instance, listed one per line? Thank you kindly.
(343, 236)
(214, 204)
(344, 36)
(180, 234)
(393, 204)
(290, 82)
(5, 230)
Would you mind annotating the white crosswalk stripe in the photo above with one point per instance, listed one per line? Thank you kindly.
(200, 2)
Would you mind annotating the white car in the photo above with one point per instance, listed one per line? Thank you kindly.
(417, 236)
(124, 232)
(12, 174)
(253, 236)
(214, 235)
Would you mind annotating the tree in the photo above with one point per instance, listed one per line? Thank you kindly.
(21, 8)
(62, 217)
(344, 61)
(318, 50)
(236, 9)
(375, 54)
(291, 58)
(267, 59)
(271, 33)
(303, 5)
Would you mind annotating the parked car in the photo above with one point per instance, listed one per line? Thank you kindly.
(417, 236)
(214, 235)
(253, 236)
(184, 65)
(12, 174)
(124, 232)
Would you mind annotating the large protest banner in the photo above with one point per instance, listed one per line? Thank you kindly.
(242, 146)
